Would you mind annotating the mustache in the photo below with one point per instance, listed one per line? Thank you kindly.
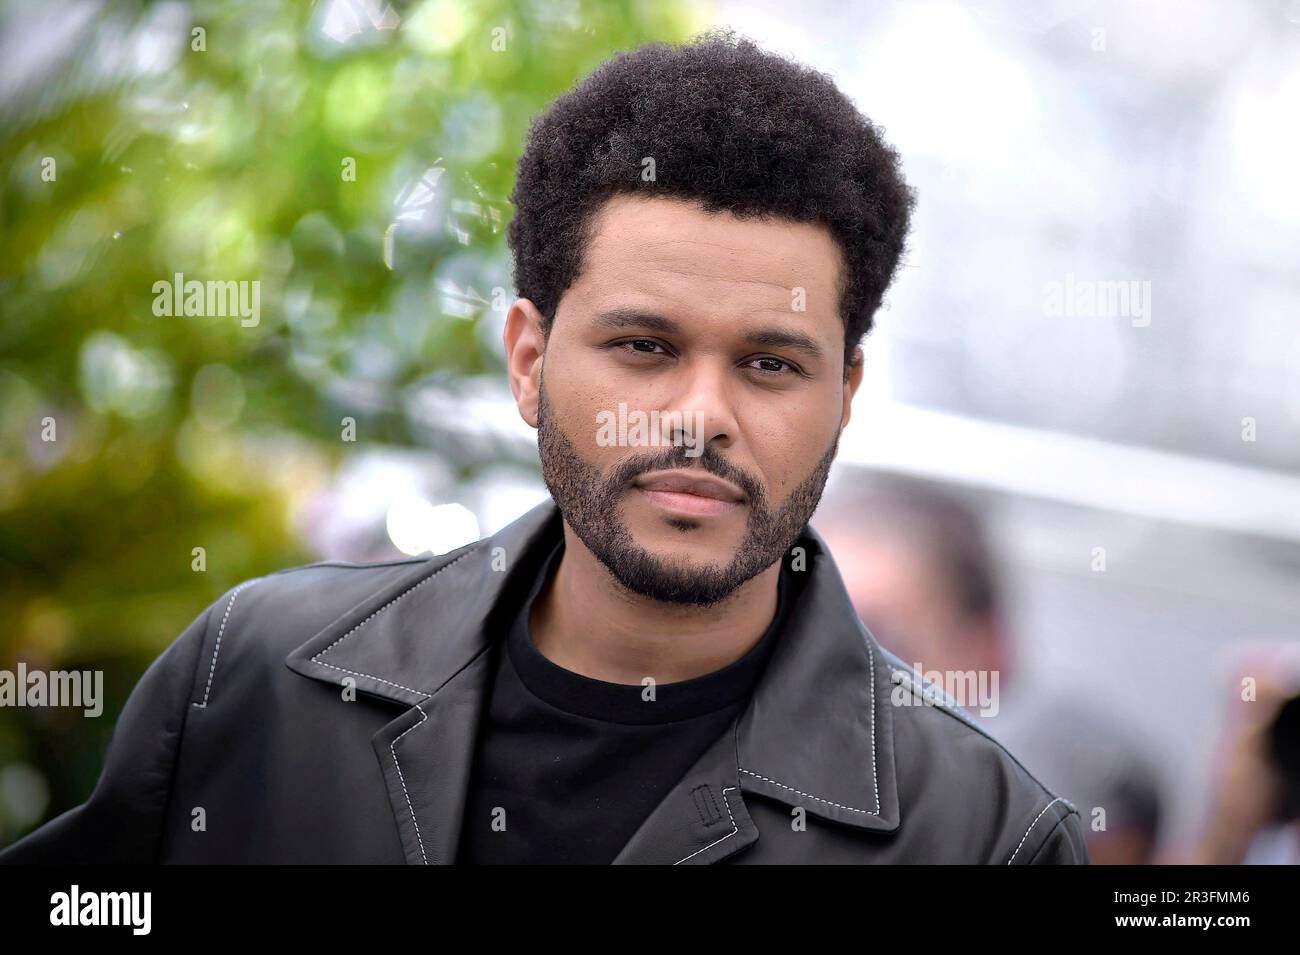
(711, 460)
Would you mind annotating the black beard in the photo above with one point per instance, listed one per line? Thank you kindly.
(590, 502)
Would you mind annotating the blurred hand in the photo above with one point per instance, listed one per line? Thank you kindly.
(1247, 786)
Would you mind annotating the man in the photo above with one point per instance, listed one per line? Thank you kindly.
(661, 665)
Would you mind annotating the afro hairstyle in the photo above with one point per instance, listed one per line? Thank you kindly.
(729, 126)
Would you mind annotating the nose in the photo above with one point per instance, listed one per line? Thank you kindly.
(706, 398)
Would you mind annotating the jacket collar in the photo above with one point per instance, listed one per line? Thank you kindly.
(817, 733)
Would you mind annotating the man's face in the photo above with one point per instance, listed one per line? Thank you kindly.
(731, 324)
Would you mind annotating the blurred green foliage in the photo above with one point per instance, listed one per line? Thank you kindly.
(141, 149)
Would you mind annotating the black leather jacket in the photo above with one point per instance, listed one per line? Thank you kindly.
(327, 714)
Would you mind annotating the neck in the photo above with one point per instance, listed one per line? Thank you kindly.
(589, 623)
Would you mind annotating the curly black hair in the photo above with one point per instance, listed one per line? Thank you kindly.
(731, 127)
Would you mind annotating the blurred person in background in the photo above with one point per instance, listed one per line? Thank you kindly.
(1254, 805)
(921, 575)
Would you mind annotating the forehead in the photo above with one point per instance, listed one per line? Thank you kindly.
(672, 252)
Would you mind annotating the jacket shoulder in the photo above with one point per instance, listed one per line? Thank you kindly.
(943, 750)
(225, 665)
(257, 622)
(311, 596)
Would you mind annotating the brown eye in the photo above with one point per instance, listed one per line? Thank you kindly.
(768, 363)
(644, 346)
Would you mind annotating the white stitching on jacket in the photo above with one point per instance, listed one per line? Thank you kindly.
(392, 747)
(317, 657)
(874, 778)
(217, 647)
(865, 812)
(734, 828)
(424, 693)
(1031, 828)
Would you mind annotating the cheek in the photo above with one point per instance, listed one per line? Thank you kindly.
(789, 438)
(586, 386)
(576, 397)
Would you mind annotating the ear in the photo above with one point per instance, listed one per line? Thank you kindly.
(525, 345)
(851, 386)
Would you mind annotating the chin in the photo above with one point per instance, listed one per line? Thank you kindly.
(665, 534)
(682, 551)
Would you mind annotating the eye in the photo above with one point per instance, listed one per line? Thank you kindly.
(643, 346)
(772, 366)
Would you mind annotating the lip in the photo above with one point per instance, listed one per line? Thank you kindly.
(695, 494)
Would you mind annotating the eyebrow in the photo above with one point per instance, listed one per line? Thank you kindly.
(619, 318)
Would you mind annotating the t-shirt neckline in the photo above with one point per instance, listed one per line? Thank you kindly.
(627, 703)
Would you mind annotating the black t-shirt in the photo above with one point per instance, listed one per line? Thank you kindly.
(569, 767)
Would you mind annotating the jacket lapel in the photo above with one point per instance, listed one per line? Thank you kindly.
(817, 733)
(703, 818)
(426, 755)
(423, 643)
